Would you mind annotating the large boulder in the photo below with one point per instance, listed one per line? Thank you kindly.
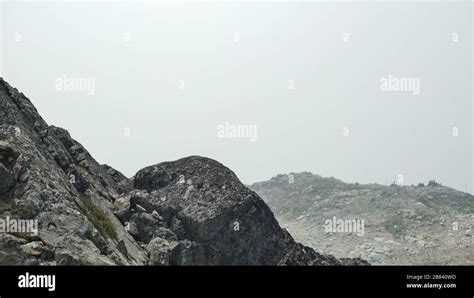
(204, 202)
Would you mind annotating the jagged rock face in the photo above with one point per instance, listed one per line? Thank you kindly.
(57, 183)
(193, 211)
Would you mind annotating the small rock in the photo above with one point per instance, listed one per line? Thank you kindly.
(122, 207)
(64, 257)
(161, 251)
(146, 225)
(140, 208)
(156, 215)
(25, 174)
(131, 227)
(37, 249)
(33, 248)
(122, 248)
(28, 207)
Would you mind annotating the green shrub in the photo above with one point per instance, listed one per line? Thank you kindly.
(98, 217)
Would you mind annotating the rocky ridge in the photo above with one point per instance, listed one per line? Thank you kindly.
(193, 211)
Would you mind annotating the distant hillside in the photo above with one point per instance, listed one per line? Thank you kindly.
(424, 224)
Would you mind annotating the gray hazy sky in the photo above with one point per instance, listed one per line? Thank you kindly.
(137, 53)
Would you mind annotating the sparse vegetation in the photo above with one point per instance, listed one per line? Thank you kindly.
(98, 217)
(82, 172)
(396, 227)
(39, 164)
(433, 183)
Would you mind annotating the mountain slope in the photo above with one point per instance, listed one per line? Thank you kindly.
(193, 211)
(429, 224)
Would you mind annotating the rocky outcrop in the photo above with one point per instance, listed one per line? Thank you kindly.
(57, 183)
(193, 211)
(203, 202)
